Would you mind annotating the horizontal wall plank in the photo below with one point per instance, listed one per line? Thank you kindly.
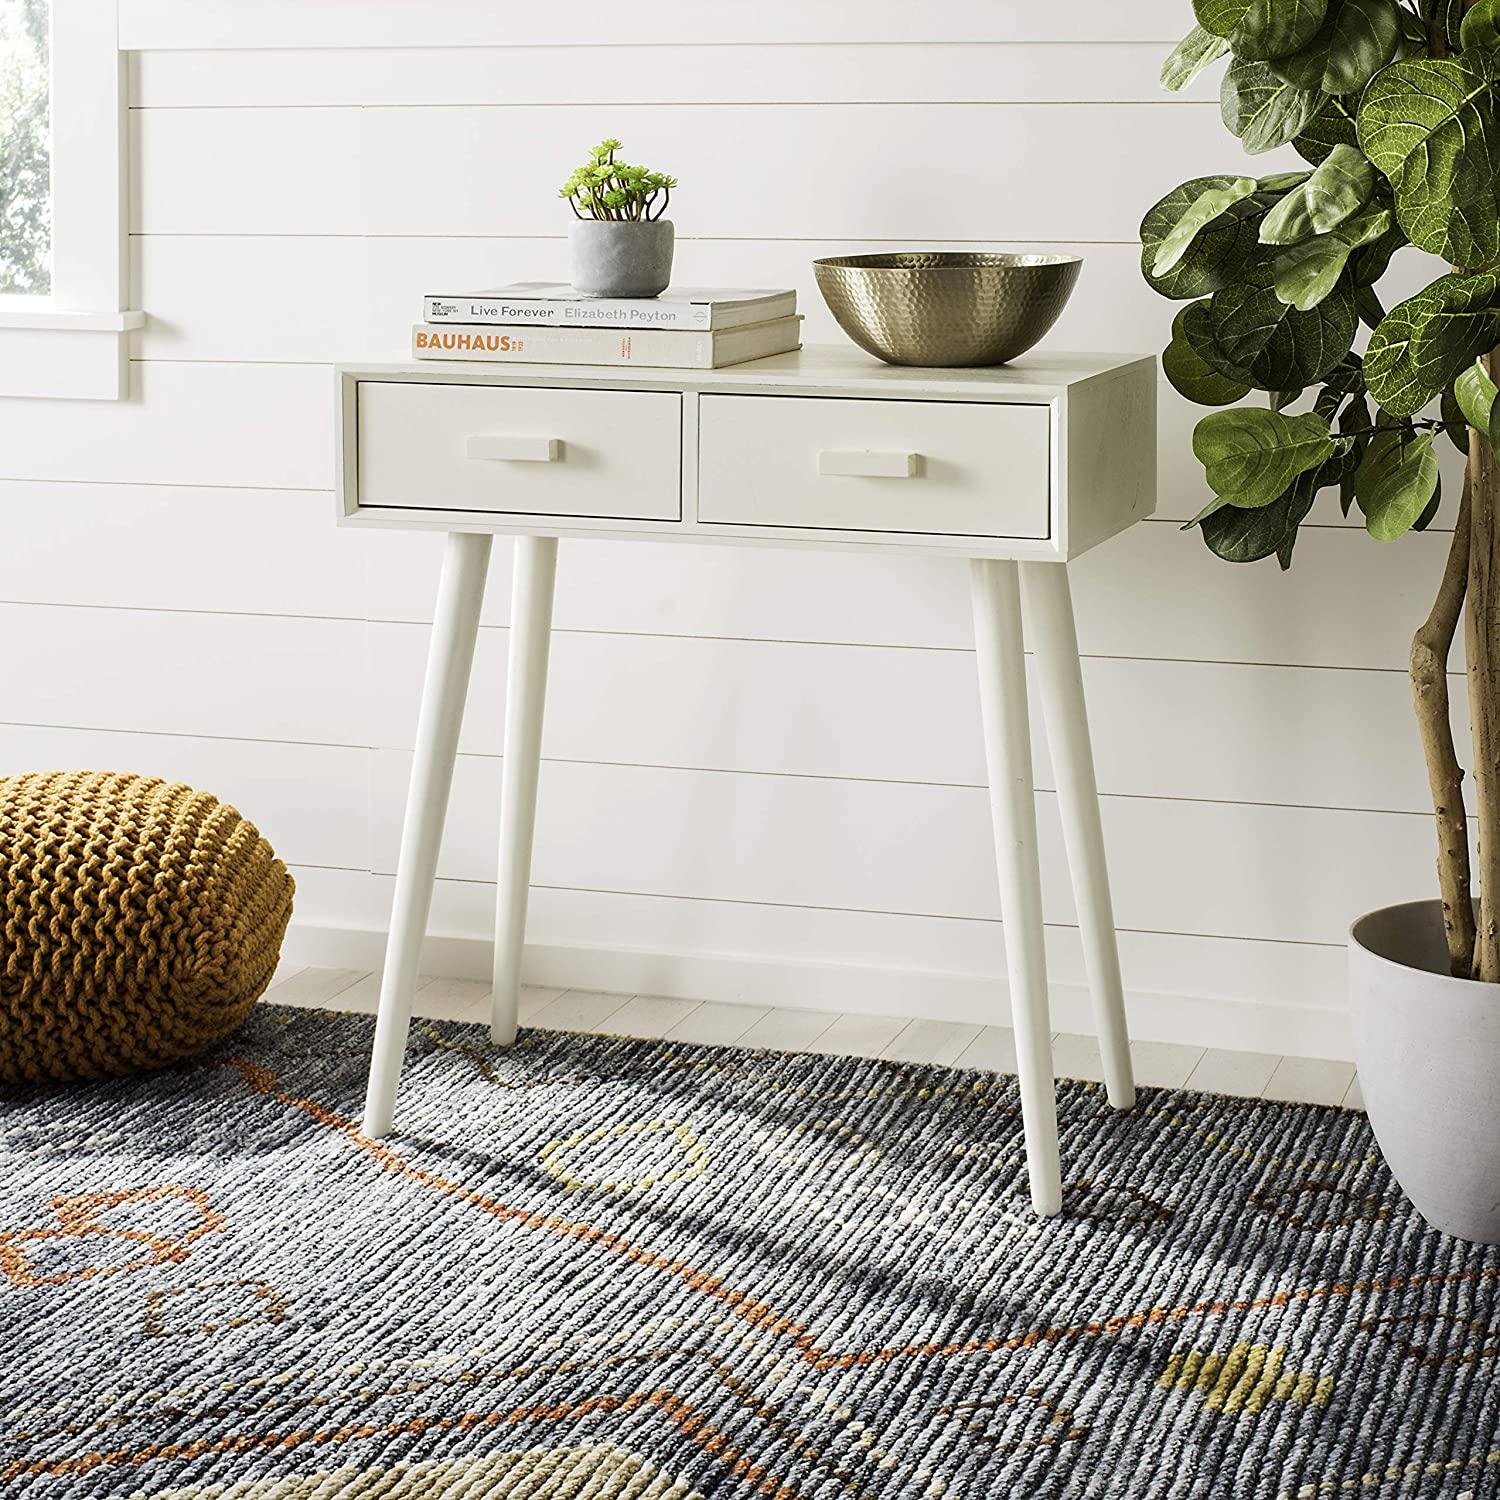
(791, 709)
(190, 548)
(797, 709)
(149, 24)
(310, 801)
(1214, 869)
(208, 425)
(416, 171)
(852, 71)
(271, 426)
(261, 677)
(1153, 592)
(247, 426)
(1280, 997)
(346, 299)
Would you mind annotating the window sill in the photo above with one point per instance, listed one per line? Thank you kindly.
(57, 354)
(15, 314)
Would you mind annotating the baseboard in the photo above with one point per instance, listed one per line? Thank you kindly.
(1246, 1024)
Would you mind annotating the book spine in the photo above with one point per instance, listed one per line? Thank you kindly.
(604, 312)
(561, 346)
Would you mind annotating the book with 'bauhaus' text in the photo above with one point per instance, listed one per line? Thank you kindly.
(709, 349)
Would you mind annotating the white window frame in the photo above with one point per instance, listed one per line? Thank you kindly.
(75, 342)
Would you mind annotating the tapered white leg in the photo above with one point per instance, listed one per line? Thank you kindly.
(450, 656)
(1054, 641)
(525, 696)
(1007, 741)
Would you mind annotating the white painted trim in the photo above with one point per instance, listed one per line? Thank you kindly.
(22, 312)
(213, 24)
(1241, 1024)
(43, 350)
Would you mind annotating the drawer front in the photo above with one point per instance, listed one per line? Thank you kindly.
(841, 464)
(521, 450)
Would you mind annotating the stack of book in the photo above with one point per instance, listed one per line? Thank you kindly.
(544, 322)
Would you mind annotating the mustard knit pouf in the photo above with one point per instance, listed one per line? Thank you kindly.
(142, 920)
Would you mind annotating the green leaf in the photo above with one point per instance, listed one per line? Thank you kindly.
(1358, 38)
(1395, 483)
(1199, 214)
(1252, 335)
(1273, 28)
(1368, 306)
(1475, 393)
(1299, 501)
(1220, 253)
(1423, 344)
(1449, 15)
(1188, 373)
(1244, 536)
(1431, 125)
(1336, 191)
(1457, 428)
(1481, 27)
(1196, 51)
(1333, 125)
(1307, 273)
(1372, 262)
(1250, 455)
(1281, 182)
(1220, 17)
(1262, 110)
(1429, 515)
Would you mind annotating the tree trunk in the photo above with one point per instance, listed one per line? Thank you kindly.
(1482, 647)
(1430, 649)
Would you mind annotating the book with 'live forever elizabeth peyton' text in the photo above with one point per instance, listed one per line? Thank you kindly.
(555, 304)
(708, 349)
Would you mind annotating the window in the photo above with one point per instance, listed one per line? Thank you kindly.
(25, 150)
(63, 317)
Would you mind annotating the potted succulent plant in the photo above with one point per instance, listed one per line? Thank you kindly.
(1394, 109)
(621, 245)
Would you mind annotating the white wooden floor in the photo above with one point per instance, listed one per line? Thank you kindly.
(1167, 1064)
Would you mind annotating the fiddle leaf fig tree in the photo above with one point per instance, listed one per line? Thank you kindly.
(1394, 108)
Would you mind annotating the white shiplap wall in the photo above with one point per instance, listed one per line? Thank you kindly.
(763, 768)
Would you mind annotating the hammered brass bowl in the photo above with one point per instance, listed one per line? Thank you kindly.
(930, 307)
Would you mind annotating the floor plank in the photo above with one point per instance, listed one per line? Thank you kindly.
(579, 1010)
(1245, 1074)
(994, 1048)
(1076, 1056)
(453, 999)
(789, 1030)
(1309, 1080)
(931, 1042)
(650, 1015)
(717, 1024)
(1157, 1064)
(861, 1036)
(315, 987)
(1164, 1065)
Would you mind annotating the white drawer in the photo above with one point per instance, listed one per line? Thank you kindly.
(841, 464)
(520, 450)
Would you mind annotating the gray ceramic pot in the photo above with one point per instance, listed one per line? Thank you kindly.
(621, 259)
(1428, 1050)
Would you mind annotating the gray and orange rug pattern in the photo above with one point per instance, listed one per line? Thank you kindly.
(596, 1269)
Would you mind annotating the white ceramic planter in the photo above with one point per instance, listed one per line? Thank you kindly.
(1428, 1050)
(622, 259)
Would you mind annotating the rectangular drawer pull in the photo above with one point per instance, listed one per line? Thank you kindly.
(868, 462)
(536, 450)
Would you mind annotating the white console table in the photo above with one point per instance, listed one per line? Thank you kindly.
(1017, 470)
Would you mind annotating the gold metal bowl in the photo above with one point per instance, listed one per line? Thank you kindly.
(929, 307)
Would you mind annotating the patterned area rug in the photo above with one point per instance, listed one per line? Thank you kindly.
(591, 1269)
